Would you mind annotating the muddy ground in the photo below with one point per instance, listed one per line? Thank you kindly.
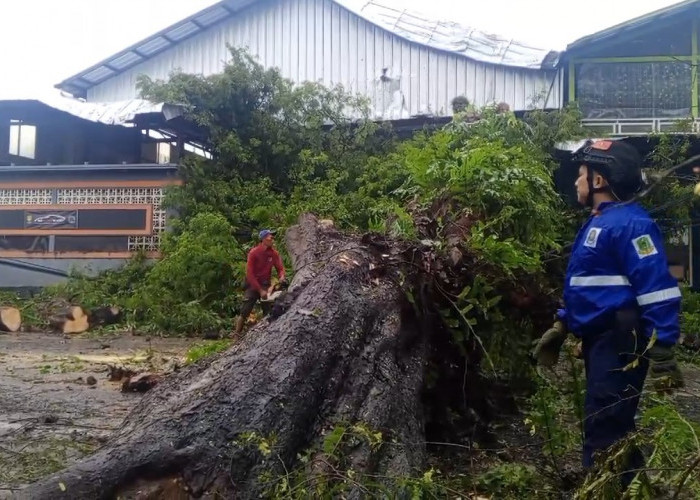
(51, 413)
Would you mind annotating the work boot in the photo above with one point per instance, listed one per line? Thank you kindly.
(240, 321)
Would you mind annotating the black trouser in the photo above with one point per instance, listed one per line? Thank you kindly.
(250, 297)
(613, 388)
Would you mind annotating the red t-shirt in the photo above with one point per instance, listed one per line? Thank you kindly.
(261, 260)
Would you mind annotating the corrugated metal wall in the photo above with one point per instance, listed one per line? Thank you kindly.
(30, 273)
(318, 40)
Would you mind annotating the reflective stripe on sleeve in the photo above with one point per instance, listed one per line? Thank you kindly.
(660, 296)
(599, 281)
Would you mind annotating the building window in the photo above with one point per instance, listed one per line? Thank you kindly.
(22, 139)
(163, 152)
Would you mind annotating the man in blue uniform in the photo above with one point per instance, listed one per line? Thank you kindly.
(618, 295)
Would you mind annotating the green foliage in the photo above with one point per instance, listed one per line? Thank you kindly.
(510, 481)
(550, 128)
(555, 411)
(29, 307)
(491, 170)
(114, 287)
(690, 318)
(487, 182)
(475, 307)
(672, 447)
(326, 471)
(205, 349)
(190, 288)
(117, 286)
(672, 197)
(278, 149)
(669, 440)
(263, 444)
(676, 438)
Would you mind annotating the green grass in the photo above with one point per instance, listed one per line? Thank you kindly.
(688, 356)
(206, 348)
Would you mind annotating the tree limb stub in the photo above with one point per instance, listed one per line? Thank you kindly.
(338, 354)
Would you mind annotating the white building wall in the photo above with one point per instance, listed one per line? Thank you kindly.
(318, 40)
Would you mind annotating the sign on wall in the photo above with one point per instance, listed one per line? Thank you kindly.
(89, 219)
(51, 219)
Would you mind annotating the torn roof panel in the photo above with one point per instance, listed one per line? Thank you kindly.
(452, 37)
(440, 35)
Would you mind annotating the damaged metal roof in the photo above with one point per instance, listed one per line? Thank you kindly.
(436, 34)
(113, 113)
(452, 37)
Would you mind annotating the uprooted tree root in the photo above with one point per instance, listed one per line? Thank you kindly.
(345, 345)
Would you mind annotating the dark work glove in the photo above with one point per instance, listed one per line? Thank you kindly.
(546, 349)
(663, 369)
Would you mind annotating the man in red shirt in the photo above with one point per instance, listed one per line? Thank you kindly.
(261, 260)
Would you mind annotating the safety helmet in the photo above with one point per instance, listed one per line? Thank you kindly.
(617, 162)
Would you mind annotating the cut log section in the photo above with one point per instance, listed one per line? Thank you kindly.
(10, 319)
(75, 319)
(72, 320)
(73, 312)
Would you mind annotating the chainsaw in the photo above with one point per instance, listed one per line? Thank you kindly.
(275, 291)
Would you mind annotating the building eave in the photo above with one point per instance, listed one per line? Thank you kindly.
(151, 46)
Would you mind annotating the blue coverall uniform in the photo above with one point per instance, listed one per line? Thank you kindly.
(618, 292)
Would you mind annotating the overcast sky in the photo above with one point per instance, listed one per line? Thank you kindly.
(44, 41)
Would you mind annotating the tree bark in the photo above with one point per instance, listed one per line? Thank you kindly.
(344, 346)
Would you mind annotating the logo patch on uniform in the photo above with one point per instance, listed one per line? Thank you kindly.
(592, 237)
(644, 246)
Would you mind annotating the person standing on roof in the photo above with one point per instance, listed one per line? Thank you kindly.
(619, 295)
(261, 259)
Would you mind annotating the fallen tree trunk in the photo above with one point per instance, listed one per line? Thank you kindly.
(343, 347)
(10, 319)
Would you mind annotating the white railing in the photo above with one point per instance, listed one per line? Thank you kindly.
(640, 126)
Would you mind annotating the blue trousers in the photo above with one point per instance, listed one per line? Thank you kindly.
(612, 394)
